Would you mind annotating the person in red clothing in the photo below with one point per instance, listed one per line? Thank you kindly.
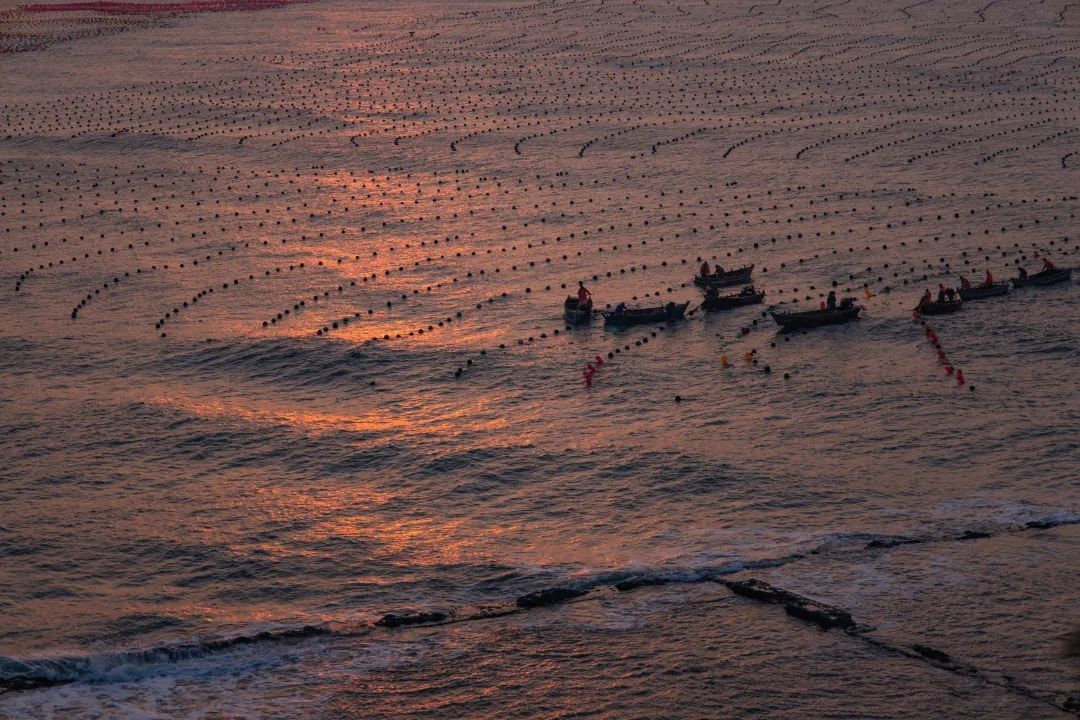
(965, 283)
(989, 280)
(583, 294)
(1047, 265)
(705, 269)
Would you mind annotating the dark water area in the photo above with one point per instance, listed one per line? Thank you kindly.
(213, 487)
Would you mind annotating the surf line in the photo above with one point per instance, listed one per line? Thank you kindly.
(829, 617)
(34, 674)
(559, 594)
(825, 616)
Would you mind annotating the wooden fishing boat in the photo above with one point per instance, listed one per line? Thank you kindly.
(939, 308)
(725, 279)
(1046, 277)
(575, 313)
(733, 301)
(644, 316)
(980, 292)
(813, 318)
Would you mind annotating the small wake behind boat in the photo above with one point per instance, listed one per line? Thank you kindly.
(984, 291)
(725, 279)
(747, 297)
(939, 308)
(1046, 277)
(576, 313)
(789, 321)
(643, 316)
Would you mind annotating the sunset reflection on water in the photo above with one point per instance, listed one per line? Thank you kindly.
(292, 423)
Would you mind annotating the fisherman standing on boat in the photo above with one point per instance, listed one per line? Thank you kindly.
(620, 308)
(950, 293)
(1023, 273)
(965, 283)
(989, 282)
(941, 292)
(927, 298)
(705, 270)
(583, 294)
(830, 301)
(1047, 265)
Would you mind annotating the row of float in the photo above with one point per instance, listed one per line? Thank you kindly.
(579, 310)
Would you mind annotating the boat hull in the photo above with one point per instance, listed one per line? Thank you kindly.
(979, 293)
(735, 277)
(939, 308)
(575, 314)
(713, 304)
(815, 318)
(645, 316)
(1046, 277)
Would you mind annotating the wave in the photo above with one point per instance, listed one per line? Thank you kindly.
(631, 579)
(303, 364)
(16, 674)
(28, 674)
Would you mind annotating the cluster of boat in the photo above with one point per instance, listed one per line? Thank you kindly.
(579, 311)
(944, 306)
(712, 282)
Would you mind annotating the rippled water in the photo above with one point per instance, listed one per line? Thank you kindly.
(206, 504)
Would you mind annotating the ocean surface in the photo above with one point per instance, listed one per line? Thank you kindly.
(282, 352)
